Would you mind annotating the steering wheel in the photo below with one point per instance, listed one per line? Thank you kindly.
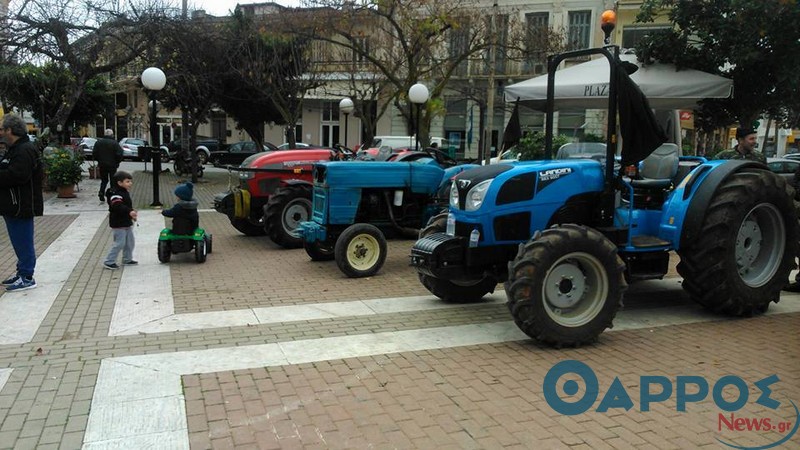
(441, 157)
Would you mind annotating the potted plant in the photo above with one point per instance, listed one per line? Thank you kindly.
(63, 170)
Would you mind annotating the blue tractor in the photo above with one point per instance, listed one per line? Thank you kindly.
(566, 236)
(356, 204)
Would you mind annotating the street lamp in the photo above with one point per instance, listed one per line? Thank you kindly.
(346, 107)
(418, 94)
(153, 79)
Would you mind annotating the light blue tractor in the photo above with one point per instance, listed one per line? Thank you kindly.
(357, 204)
(566, 236)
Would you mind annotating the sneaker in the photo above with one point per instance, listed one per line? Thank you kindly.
(101, 197)
(22, 284)
(10, 281)
(112, 266)
(130, 263)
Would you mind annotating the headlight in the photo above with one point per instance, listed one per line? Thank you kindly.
(246, 175)
(476, 194)
(454, 195)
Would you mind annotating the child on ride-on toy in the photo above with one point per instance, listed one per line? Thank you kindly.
(185, 235)
(185, 210)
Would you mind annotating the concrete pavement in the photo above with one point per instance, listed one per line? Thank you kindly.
(261, 348)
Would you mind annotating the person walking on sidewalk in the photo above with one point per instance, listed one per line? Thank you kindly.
(108, 154)
(121, 216)
(21, 199)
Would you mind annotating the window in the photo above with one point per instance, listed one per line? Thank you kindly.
(459, 38)
(579, 31)
(536, 35)
(363, 44)
(631, 34)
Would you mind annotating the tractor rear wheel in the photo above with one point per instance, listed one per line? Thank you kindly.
(200, 251)
(164, 251)
(565, 285)
(284, 211)
(360, 250)
(248, 228)
(319, 251)
(448, 290)
(747, 246)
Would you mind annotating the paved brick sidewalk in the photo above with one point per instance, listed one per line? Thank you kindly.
(490, 396)
(448, 397)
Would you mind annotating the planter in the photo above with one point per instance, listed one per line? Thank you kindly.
(94, 172)
(66, 191)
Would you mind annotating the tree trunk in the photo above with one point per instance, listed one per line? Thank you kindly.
(66, 108)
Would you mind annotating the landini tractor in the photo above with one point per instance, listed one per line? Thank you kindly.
(357, 204)
(274, 193)
(567, 236)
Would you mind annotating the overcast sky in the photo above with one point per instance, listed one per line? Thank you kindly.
(222, 7)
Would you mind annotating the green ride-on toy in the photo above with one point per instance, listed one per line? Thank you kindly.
(183, 240)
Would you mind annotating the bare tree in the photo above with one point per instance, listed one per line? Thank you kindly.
(90, 37)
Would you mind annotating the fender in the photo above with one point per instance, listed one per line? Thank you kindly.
(705, 192)
(202, 148)
(296, 182)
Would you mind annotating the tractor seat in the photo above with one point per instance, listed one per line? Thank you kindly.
(658, 169)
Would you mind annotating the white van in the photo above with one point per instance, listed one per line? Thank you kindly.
(404, 142)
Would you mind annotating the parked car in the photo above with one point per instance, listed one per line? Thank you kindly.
(297, 145)
(87, 145)
(792, 156)
(785, 167)
(236, 153)
(130, 147)
(203, 147)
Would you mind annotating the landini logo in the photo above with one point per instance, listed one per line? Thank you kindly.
(688, 389)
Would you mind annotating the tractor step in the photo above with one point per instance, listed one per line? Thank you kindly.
(648, 241)
(645, 265)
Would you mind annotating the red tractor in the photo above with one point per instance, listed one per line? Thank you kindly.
(274, 193)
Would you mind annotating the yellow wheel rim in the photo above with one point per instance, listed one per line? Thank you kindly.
(363, 252)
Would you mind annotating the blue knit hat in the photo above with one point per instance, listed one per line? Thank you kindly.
(185, 191)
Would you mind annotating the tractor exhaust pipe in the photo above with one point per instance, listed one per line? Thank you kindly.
(410, 233)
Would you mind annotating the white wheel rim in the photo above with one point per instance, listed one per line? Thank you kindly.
(295, 212)
(760, 243)
(363, 252)
(575, 289)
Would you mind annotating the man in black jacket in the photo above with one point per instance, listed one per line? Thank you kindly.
(108, 154)
(20, 198)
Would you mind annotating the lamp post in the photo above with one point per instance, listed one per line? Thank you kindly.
(346, 107)
(153, 79)
(418, 94)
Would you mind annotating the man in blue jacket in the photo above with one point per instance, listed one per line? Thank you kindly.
(20, 198)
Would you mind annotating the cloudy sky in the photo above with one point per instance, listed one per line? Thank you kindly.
(222, 7)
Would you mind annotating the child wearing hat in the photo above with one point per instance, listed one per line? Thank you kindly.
(184, 214)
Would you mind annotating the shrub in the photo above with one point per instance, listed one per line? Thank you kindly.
(531, 146)
(62, 167)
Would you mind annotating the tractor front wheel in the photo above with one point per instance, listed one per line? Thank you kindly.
(247, 228)
(360, 250)
(565, 286)
(747, 245)
(448, 290)
(319, 251)
(284, 211)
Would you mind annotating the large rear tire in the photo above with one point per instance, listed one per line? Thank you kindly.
(248, 228)
(284, 211)
(565, 285)
(747, 245)
(453, 291)
(360, 250)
